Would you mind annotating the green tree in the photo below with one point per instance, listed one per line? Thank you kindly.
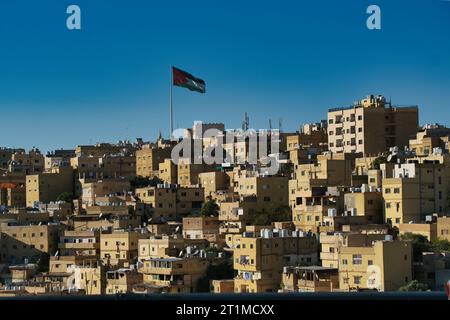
(440, 245)
(210, 208)
(414, 286)
(379, 160)
(420, 244)
(273, 214)
(221, 271)
(43, 262)
(66, 197)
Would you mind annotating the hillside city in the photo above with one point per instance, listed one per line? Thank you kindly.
(360, 202)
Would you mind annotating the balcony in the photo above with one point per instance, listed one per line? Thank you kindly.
(329, 256)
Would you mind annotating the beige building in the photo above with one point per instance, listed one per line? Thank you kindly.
(122, 281)
(85, 243)
(259, 261)
(19, 242)
(223, 286)
(329, 170)
(332, 242)
(214, 181)
(310, 279)
(370, 126)
(270, 191)
(188, 172)
(428, 230)
(174, 274)
(311, 206)
(412, 191)
(168, 171)
(149, 158)
(429, 138)
(119, 248)
(443, 228)
(26, 163)
(365, 202)
(101, 188)
(311, 136)
(385, 266)
(12, 195)
(47, 186)
(170, 200)
(201, 228)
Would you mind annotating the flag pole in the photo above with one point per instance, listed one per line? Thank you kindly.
(170, 104)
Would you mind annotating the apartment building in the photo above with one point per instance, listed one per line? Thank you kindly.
(188, 172)
(12, 195)
(332, 242)
(384, 266)
(329, 170)
(101, 188)
(270, 191)
(213, 182)
(170, 201)
(149, 158)
(365, 202)
(168, 171)
(80, 243)
(58, 158)
(311, 206)
(26, 163)
(235, 212)
(443, 228)
(415, 190)
(122, 281)
(201, 228)
(429, 138)
(370, 126)
(428, 230)
(47, 186)
(310, 279)
(174, 274)
(115, 215)
(120, 248)
(259, 258)
(20, 242)
(310, 136)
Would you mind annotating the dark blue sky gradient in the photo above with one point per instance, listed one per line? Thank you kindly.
(275, 59)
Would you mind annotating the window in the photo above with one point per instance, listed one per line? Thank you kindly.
(387, 190)
(357, 259)
(344, 261)
(345, 280)
(396, 190)
(357, 279)
(370, 262)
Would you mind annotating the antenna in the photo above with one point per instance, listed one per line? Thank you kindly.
(246, 122)
(280, 124)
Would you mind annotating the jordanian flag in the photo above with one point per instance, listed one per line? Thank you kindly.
(187, 80)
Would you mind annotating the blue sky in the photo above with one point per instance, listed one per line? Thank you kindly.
(274, 59)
